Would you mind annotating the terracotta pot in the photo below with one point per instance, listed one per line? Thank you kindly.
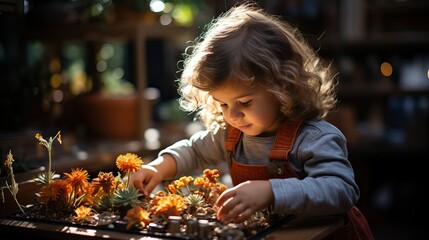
(111, 117)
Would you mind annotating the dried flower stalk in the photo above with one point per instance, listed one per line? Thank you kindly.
(13, 187)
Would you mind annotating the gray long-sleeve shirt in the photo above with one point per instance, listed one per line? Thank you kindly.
(319, 155)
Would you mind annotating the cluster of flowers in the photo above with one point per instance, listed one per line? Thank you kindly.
(84, 199)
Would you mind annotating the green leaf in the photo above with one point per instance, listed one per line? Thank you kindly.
(127, 196)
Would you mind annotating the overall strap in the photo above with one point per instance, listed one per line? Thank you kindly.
(278, 167)
(284, 140)
(232, 139)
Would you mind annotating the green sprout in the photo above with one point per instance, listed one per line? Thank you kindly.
(49, 176)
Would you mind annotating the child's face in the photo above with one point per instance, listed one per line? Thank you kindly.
(253, 110)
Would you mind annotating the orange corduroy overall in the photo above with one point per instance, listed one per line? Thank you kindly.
(355, 227)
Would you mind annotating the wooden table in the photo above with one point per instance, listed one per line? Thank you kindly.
(314, 228)
(297, 229)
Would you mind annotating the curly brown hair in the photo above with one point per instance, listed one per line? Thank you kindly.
(248, 44)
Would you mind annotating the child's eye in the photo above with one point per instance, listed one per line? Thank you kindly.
(223, 105)
(246, 103)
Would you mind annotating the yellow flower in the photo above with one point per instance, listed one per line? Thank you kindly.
(137, 215)
(129, 162)
(82, 213)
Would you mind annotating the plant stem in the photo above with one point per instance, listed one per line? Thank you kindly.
(19, 205)
(48, 176)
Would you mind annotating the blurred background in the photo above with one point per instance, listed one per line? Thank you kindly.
(103, 73)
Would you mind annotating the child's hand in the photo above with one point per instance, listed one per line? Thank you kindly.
(238, 203)
(146, 179)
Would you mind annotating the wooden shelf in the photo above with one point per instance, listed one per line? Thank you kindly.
(137, 32)
(402, 42)
(369, 94)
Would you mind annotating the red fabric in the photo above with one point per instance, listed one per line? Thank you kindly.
(282, 145)
(356, 226)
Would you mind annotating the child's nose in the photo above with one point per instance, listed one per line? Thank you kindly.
(235, 113)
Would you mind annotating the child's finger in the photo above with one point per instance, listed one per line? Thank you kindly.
(225, 196)
(150, 186)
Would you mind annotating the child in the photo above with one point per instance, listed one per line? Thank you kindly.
(262, 94)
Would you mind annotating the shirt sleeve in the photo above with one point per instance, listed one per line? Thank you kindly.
(327, 186)
(204, 148)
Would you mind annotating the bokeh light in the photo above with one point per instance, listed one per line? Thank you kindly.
(183, 14)
(386, 69)
(156, 6)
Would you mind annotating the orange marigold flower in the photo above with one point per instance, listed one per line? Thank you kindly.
(199, 181)
(208, 185)
(178, 184)
(186, 180)
(55, 192)
(137, 215)
(120, 186)
(78, 178)
(171, 205)
(129, 162)
(104, 181)
(88, 192)
(172, 188)
(158, 195)
(211, 175)
(221, 187)
(215, 191)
